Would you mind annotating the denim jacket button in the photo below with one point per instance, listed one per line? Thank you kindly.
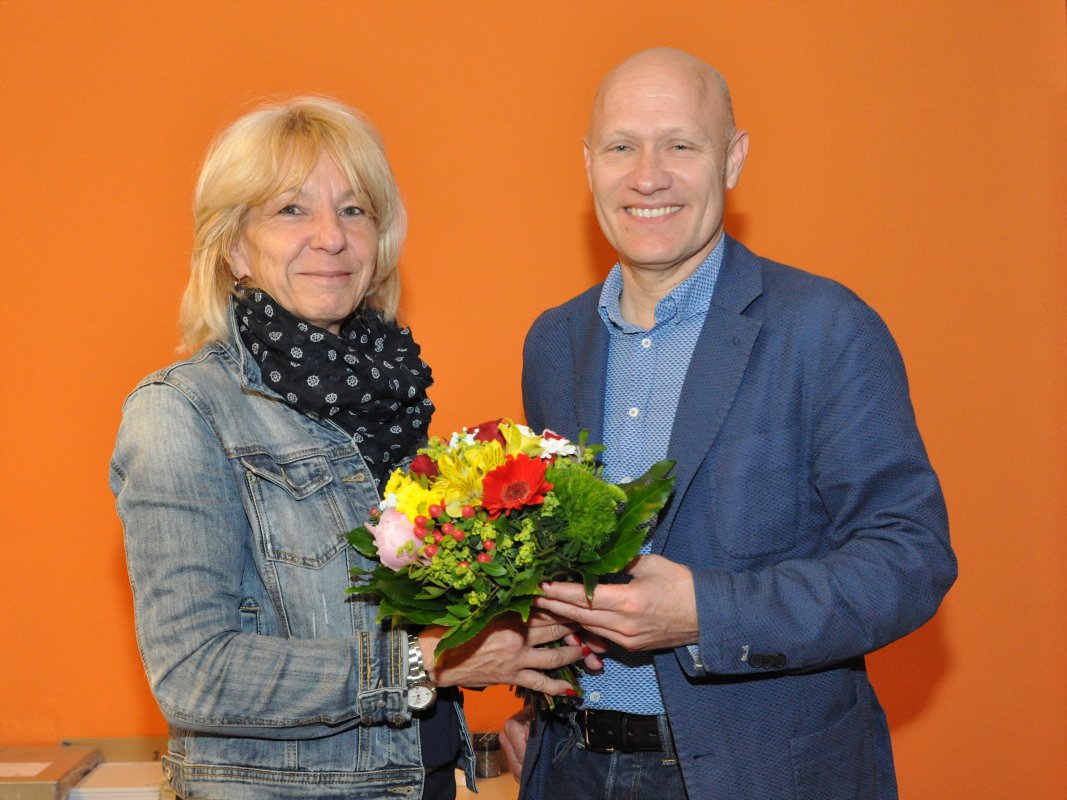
(381, 704)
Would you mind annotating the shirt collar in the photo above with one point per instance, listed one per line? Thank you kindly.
(689, 298)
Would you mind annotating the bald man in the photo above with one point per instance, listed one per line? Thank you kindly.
(807, 526)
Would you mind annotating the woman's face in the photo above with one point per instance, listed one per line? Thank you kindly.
(312, 249)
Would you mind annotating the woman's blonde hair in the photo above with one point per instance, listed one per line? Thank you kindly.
(264, 153)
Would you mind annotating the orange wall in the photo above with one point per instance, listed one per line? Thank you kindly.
(912, 150)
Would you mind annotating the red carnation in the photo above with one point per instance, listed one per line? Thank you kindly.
(547, 434)
(519, 482)
(488, 431)
(423, 465)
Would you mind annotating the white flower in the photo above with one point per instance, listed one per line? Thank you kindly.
(557, 447)
(461, 437)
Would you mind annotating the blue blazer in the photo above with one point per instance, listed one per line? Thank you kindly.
(806, 508)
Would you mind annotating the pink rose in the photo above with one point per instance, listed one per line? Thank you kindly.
(393, 531)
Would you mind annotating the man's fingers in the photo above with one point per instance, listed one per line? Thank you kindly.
(513, 739)
(581, 614)
(568, 592)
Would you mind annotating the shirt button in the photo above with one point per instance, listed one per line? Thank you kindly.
(634, 412)
(594, 697)
(627, 479)
(646, 343)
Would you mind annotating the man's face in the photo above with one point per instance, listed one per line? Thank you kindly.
(659, 164)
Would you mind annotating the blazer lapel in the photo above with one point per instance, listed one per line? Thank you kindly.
(589, 349)
(715, 371)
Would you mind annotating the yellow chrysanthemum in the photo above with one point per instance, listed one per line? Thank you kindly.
(396, 480)
(411, 499)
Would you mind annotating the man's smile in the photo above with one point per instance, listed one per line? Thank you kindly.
(651, 213)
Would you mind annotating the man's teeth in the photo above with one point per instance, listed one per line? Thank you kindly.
(649, 213)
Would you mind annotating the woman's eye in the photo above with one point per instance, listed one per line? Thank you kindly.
(290, 210)
(351, 211)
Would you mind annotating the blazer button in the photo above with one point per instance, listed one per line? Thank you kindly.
(755, 661)
(779, 661)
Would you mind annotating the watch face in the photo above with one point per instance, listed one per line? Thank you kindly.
(421, 696)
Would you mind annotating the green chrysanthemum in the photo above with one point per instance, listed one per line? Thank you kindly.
(586, 507)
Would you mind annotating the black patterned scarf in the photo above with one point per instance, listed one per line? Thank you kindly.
(369, 379)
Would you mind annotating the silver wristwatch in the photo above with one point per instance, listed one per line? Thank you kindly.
(421, 691)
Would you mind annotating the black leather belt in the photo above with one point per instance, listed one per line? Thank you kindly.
(608, 731)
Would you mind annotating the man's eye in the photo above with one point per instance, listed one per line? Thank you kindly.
(619, 148)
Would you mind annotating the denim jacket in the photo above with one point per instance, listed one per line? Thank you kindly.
(234, 507)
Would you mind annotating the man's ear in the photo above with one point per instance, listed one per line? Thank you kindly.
(735, 159)
(588, 163)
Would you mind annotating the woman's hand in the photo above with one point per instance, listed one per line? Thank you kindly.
(507, 651)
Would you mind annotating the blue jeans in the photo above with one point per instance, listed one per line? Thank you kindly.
(574, 773)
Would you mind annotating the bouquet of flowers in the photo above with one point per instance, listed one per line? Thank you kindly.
(470, 529)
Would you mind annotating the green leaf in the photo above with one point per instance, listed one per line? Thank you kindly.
(493, 568)
(645, 498)
(460, 610)
(431, 591)
(461, 634)
(589, 581)
(362, 540)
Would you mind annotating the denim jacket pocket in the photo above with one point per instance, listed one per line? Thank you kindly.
(297, 519)
(294, 532)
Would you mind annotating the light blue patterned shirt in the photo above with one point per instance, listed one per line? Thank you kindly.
(646, 370)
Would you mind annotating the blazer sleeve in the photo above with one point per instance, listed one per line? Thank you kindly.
(876, 560)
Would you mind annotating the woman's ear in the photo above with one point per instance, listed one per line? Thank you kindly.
(240, 265)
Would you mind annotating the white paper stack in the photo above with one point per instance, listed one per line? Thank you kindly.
(121, 780)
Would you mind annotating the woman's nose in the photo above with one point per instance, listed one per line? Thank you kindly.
(328, 234)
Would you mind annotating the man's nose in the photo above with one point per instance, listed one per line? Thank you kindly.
(649, 174)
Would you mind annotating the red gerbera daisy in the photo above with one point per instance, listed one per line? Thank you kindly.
(519, 482)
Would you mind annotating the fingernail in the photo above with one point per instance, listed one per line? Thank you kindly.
(586, 650)
(571, 692)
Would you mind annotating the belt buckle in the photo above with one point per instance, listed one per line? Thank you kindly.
(585, 734)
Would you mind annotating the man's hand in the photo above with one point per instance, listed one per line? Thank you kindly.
(513, 739)
(654, 611)
(507, 651)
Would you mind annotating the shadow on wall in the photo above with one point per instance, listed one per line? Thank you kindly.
(907, 673)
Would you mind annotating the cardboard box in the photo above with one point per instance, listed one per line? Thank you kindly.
(43, 772)
(125, 748)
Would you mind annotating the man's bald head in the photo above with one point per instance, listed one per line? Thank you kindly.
(666, 64)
